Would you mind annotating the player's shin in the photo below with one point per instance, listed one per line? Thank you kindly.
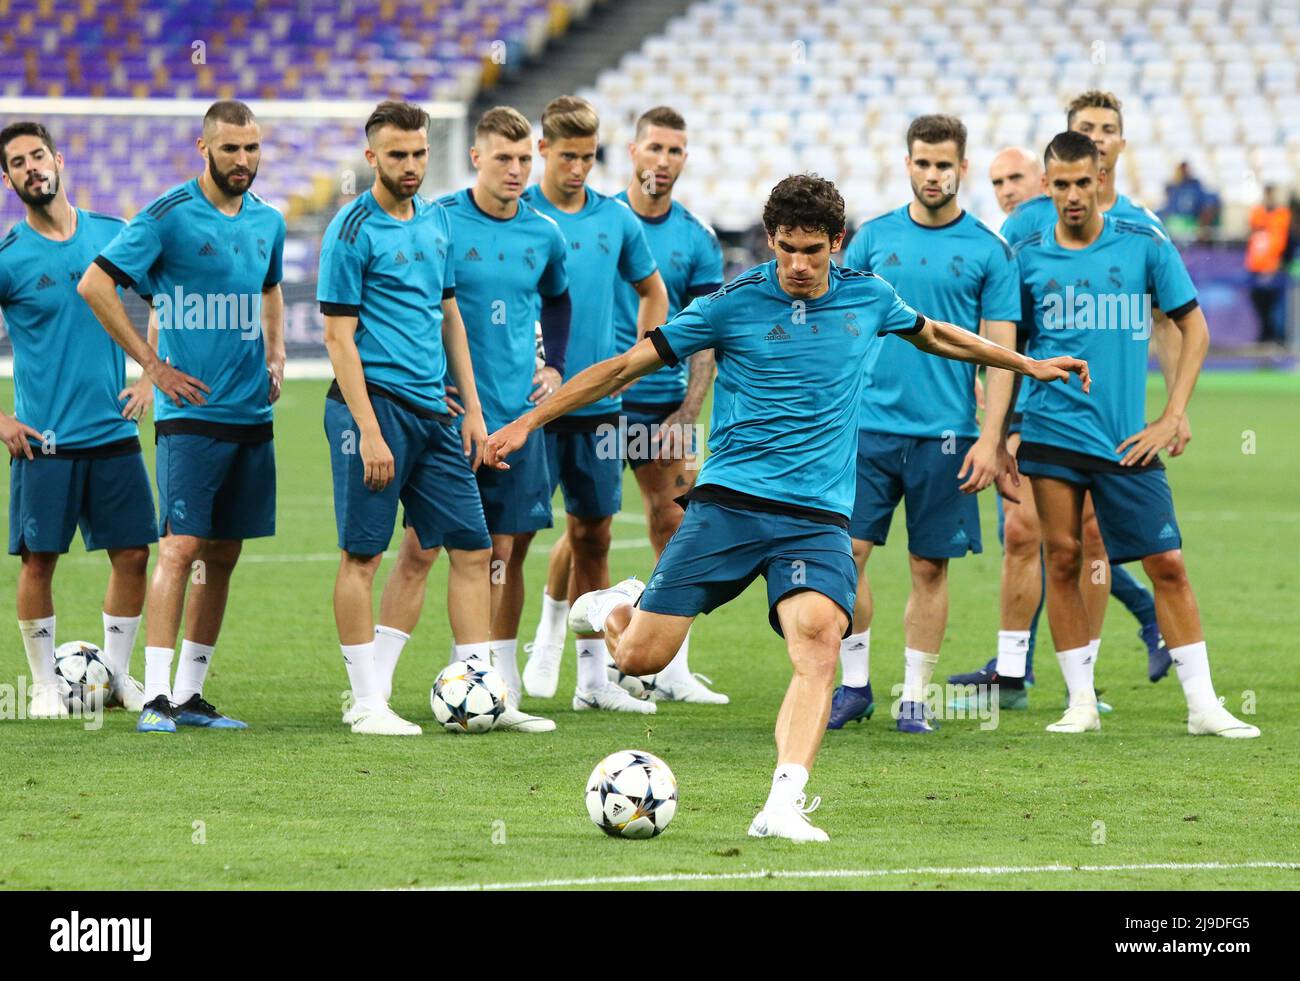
(38, 644)
(119, 641)
(389, 642)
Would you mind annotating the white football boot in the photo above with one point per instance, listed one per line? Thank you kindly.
(542, 670)
(788, 821)
(1078, 718)
(597, 604)
(1218, 721)
(383, 721)
(514, 720)
(127, 693)
(47, 703)
(611, 698)
(692, 688)
(352, 712)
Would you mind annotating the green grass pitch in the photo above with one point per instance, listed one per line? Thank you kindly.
(297, 801)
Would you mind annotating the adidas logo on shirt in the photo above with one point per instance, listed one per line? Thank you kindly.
(893, 260)
(472, 255)
(399, 259)
(207, 249)
(1052, 286)
(777, 333)
(44, 282)
(1168, 531)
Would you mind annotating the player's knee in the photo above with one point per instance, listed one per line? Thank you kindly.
(39, 565)
(1093, 546)
(131, 562)
(1063, 557)
(1166, 569)
(222, 554)
(356, 566)
(178, 552)
(665, 517)
(1022, 537)
(473, 560)
(928, 574)
(589, 540)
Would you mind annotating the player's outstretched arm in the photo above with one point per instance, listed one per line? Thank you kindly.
(587, 386)
(341, 343)
(1141, 448)
(473, 430)
(99, 291)
(950, 341)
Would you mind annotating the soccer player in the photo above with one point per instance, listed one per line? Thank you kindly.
(211, 252)
(606, 244)
(918, 438)
(792, 338)
(75, 446)
(510, 274)
(1093, 277)
(1097, 115)
(393, 330)
(660, 410)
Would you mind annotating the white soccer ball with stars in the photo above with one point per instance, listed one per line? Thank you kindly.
(468, 696)
(631, 794)
(82, 674)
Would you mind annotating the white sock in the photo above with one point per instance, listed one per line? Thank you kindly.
(505, 660)
(1013, 650)
(191, 671)
(1076, 665)
(1094, 647)
(788, 783)
(360, 662)
(1192, 662)
(855, 659)
(38, 642)
(591, 664)
(679, 667)
(919, 667)
(119, 641)
(157, 672)
(554, 622)
(389, 642)
(471, 652)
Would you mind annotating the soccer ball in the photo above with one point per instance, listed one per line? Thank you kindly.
(638, 686)
(83, 676)
(468, 696)
(631, 794)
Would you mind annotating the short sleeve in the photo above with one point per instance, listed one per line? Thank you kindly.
(635, 261)
(707, 268)
(555, 277)
(449, 260)
(1169, 280)
(690, 331)
(1000, 293)
(134, 250)
(894, 316)
(275, 266)
(858, 254)
(342, 263)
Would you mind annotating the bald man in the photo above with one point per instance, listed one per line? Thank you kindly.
(1017, 176)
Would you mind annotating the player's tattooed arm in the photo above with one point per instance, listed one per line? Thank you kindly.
(587, 386)
(99, 290)
(139, 396)
(341, 343)
(1167, 340)
(473, 430)
(703, 366)
(988, 459)
(949, 341)
(273, 336)
(1144, 446)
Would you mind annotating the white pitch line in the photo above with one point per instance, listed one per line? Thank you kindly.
(847, 874)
